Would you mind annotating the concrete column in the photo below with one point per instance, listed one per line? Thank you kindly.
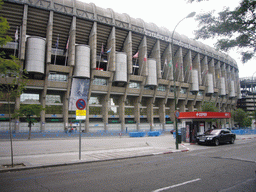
(178, 62)
(137, 113)
(49, 38)
(86, 128)
(23, 33)
(168, 69)
(93, 46)
(190, 106)
(172, 109)
(162, 112)
(204, 70)
(197, 66)
(217, 74)
(212, 71)
(112, 55)
(156, 55)
(143, 70)
(72, 42)
(66, 99)
(187, 67)
(42, 114)
(150, 112)
(121, 112)
(17, 122)
(128, 50)
(181, 105)
(104, 101)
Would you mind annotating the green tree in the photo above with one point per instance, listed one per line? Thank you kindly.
(242, 118)
(233, 28)
(12, 79)
(30, 112)
(209, 107)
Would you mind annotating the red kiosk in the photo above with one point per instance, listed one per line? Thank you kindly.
(197, 125)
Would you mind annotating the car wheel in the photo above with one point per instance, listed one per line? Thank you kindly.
(216, 142)
(232, 140)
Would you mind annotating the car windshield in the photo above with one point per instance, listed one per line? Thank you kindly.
(212, 132)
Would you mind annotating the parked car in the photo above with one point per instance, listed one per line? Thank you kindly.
(216, 136)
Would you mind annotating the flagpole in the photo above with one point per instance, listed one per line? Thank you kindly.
(67, 52)
(16, 38)
(57, 44)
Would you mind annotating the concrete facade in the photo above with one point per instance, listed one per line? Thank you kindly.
(133, 102)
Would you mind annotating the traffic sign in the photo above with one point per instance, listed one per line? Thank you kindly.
(80, 104)
(80, 112)
(177, 114)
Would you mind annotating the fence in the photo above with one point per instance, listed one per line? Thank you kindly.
(244, 131)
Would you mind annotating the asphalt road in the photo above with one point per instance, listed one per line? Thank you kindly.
(222, 168)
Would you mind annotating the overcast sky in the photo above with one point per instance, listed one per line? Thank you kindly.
(167, 13)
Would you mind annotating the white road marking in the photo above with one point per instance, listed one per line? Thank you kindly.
(177, 185)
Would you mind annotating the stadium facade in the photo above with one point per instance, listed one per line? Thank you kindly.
(122, 67)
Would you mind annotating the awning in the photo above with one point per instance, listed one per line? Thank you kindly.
(204, 115)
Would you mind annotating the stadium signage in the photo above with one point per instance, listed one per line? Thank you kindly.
(204, 115)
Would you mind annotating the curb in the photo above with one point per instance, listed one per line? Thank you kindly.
(86, 162)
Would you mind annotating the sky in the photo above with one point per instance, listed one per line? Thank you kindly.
(167, 13)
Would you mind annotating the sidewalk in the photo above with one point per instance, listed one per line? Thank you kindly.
(36, 153)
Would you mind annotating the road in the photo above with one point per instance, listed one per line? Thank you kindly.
(224, 168)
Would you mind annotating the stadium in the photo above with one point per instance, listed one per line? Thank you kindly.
(127, 71)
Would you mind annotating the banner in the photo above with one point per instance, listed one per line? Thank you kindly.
(204, 115)
(79, 90)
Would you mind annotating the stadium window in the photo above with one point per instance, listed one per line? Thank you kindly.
(161, 88)
(99, 81)
(134, 85)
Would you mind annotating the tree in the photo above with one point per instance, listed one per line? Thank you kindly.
(242, 118)
(209, 107)
(29, 111)
(234, 29)
(13, 80)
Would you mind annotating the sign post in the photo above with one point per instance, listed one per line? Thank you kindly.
(80, 115)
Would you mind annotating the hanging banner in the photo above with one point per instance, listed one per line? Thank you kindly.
(79, 91)
(204, 115)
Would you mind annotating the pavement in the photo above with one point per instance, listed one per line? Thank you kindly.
(50, 152)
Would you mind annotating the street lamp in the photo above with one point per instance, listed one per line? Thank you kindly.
(192, 14)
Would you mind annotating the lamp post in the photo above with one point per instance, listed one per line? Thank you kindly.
(192, 14)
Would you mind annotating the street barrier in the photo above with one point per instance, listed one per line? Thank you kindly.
(137, 134)
(244, 131)
(154, 133)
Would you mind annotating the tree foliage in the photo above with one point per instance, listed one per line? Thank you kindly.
(209, 107)
(234, 29)
(29, 111)
(242, 118)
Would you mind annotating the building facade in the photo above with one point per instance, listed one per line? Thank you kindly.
(126, 67)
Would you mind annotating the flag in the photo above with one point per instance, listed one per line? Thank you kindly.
(190, 67)
(109, 50)
(218, 76)
(57, 42)
(102, 50)
(67, 43)
(145, 58)
(181, 66)
(16, 35)
(206, 72)
(165, 62)
(176, 65)
(186, 68)
(136, 55)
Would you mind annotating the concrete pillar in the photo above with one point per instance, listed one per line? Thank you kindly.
(137, 113)
(143, 70)
(86, 128)
(150, 112)
(212, 71)
(156, 55)
(65, 100)
(178, 62)
(204, 70)
(93, 46)
(112, 55)
(161, 105)
(187, 67)
(17, 122)
(72, 42)
(168, 69)
(128, 50)
(121, 112)
(23, 33)
(104, 101)
(42, 114)
(197, 66)
(190, 106)
(49, 38)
